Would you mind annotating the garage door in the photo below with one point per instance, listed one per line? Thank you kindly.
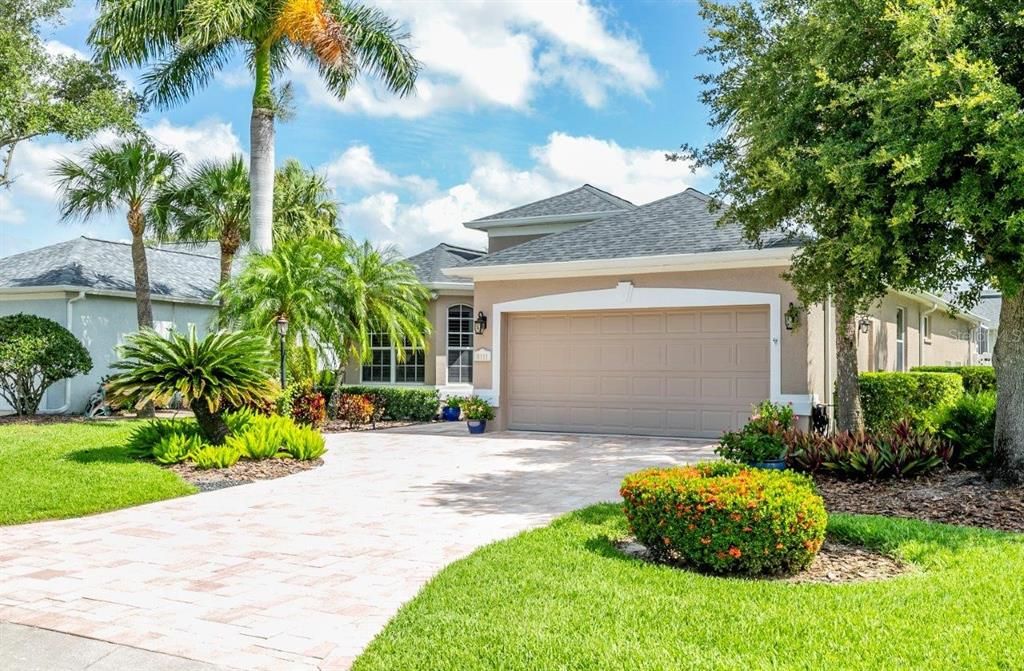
(686, 372)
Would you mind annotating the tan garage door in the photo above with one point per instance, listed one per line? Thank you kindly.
(686, 372)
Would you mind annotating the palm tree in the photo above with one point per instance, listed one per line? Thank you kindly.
(304, 204)
(218, 371)
(127, 175)
(190, 40)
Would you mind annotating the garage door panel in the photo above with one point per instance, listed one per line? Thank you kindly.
(687, 372)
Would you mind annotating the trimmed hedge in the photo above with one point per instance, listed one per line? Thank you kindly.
(977, 379)
(398, 403)
(723, 518)
(888, 398)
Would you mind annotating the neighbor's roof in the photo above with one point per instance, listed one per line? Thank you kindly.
(103, 265)
(430, 263)
(584, 200)
(988, 308)
(678, 224)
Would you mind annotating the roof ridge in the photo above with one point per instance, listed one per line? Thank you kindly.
(607, 196)
(461, 248)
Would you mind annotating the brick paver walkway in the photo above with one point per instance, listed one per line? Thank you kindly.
(301, 572)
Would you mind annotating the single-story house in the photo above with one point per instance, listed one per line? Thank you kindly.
(603, 316)
(88, 286)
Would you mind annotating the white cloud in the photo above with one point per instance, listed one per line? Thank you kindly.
(207, 140)
(499, 54)
(56, 48)
(422, 219)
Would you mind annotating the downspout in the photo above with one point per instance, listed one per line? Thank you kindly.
(67, 381)
(920, 334)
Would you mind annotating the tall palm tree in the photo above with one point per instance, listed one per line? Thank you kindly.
(128, 175)
(188, 41)
(304, 204)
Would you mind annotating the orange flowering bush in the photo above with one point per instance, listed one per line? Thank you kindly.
(723, 518)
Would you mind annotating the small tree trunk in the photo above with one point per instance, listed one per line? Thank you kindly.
(230, 241)
(1008, 360)
(143, 298)
(339, 379)
(849, 413)
(211, 424)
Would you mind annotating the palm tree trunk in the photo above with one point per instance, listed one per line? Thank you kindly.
(261, 162)
(849, 413)
(1008, 361)
(143, 297)
(230, 241)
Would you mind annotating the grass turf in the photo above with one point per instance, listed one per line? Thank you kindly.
(562, 597)
(50, 471)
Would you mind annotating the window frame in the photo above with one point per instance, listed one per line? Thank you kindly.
(420, 362)
(466, 320)
(926, 329)
(901, 339)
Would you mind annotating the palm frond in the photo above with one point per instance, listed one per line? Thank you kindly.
(206, 23)
(175, 79)
(379, 45)
(132, 32)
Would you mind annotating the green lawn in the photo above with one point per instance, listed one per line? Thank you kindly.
(561, 597)
(70, 469)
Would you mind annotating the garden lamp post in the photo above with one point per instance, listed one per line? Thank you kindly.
(282, 331)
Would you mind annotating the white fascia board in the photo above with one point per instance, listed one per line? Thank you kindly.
(932, 300)
(451, 288)
(67, 288)
(488, 224)
(746, 258)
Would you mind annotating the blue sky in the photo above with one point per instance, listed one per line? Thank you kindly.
(516, 101)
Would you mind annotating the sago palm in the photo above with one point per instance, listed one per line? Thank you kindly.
(187, 41)
(129, 175)
(212, 374)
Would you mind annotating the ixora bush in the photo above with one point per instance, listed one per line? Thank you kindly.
(899, 452)
(888, 398)
(400, 403)
(34, 353)
(970, 426)
(222, 370)
(761, 440)
(720, 517)
(976, 378)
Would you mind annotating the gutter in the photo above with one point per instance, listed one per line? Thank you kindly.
(69, 288)
(69, 324)
(920, 335)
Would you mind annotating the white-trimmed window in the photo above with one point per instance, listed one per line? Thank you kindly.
(460, 344)
(926, 329)
(901, 339)
(384, 366)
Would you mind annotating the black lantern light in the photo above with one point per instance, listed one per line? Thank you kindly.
(480, 323)
(282, 331)
(792, 317)
(864, 325)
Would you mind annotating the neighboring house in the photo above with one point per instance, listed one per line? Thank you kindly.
(988, 308)
(611, 318)
(88, 286)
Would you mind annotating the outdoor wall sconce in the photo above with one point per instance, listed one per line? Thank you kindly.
(480, 323)
(864, 325)
(792, 317)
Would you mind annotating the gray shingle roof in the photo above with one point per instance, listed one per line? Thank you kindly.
(678, 224)
(584, 199)
(105, 265)
(988, 308)
(429, 264)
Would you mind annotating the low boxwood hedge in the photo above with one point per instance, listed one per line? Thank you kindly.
(888, 398)
(399, 403)
(977, 379)
(722, 518)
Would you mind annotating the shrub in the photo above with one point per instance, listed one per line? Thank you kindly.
(453, 402)
(476, 408)
(145, 436)
(263, 438)
(212, 456)
(214, 373)
(400, 403)
(970, 425)
(976, 378)
(35, 352)
(354, 409)
(890, 397)
(761, 439)
(239, 420)
(723, 518)
(304, 443)
(900, 452)
(176, 447)
(309, 406)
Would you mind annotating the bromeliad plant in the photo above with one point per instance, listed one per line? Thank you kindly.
(221, 370)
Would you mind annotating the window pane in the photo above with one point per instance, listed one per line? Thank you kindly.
(460, 344)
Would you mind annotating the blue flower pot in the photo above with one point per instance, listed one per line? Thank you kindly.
(476, 425)
(450, 414)
(773, 465)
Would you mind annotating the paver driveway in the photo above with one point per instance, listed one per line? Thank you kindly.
(301, 572)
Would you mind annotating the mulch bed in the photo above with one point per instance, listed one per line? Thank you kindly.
(243, 472)
(964, 498)
(836, 563)
(338, 426)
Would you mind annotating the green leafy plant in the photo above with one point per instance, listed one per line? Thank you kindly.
(221, 370)
(969, 425)
(145, 436)
(453, 402)
(177, 447)
(214, 456)
(239, 420)
(263, 437)
(722, 518)
(475, 408)
(976, 379)
(888, 398)
(304, 443)
(35, 352)
(400, 403)
(760, 440)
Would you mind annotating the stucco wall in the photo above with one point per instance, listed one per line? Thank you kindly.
(100, 323)
(496, 243)
(950, 343)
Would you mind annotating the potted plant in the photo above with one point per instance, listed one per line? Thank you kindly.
(760, 443)
(477, 411)
(452, 409)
